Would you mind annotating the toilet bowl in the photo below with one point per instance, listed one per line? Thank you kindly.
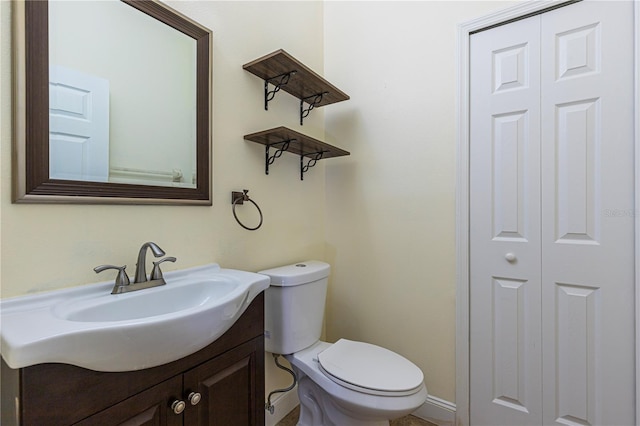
(347, 383)
(326, 401)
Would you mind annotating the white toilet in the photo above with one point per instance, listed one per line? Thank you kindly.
(346, 383)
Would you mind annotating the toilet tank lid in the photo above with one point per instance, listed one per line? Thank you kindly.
(297, 273)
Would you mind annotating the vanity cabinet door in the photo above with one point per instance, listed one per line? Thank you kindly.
(231, 388)
(149, 408)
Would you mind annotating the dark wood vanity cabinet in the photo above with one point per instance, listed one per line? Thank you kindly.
(148, 408)
(228, 375)
(225, 384)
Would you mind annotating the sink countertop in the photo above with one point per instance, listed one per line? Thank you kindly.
(51, 326)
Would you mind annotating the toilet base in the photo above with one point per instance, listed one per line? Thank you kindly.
(318, 409)
(323, 402)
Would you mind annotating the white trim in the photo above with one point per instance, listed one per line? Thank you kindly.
(636, 94)
(282, 406)
(518, 11)
(437, 411)
(462, 229)
(462, 190)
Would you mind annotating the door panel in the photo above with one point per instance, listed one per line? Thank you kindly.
(505, 221)
(509, 195)
(587, 254)
(148, 408)
(79, 125)
(577, 170)
(577, 317)
(509, 349)
(229, 388)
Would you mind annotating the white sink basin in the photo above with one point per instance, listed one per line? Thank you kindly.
(89, 327)
(143, 304)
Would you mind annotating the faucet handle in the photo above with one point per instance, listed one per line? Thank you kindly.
(156, 273)
(122, 279)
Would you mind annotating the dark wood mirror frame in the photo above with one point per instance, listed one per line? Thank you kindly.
(31, 182)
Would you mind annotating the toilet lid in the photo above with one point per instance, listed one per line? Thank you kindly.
(368, 366)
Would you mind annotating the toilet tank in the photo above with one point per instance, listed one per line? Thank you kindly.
(294, 306)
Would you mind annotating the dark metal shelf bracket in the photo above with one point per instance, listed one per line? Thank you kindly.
(313, 159)
(277, 82)
(313, 101)
(268, 160)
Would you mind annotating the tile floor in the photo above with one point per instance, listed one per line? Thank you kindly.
(292, 418)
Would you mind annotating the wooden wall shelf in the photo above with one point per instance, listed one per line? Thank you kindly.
(285, 72)
(283, 139)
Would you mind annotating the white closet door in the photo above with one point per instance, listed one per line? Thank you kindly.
(551, 219)
(505, 226)
(587, 220)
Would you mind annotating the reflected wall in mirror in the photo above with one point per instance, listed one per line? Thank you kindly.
(107, 123)
(112, 104)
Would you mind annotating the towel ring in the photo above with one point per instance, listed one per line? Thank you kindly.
(239, 198)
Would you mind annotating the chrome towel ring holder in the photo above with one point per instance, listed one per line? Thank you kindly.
(238, 198)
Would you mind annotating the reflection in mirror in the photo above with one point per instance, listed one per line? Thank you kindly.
(107, 123)
(127, 117)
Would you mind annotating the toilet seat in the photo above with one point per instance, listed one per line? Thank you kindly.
(370, 369)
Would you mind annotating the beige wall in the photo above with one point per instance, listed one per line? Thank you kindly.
(388, 229)
(158, 80)
(46, 247)
(391, 205)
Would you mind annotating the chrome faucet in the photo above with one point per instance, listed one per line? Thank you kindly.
(123, 285)
(141, 267)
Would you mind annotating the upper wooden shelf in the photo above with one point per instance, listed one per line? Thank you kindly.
(285, 72)
(284, 139)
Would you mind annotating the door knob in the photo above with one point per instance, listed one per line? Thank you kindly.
(510, 257)
(194, 398)
(178, 406)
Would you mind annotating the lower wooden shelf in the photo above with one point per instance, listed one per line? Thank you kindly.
(283, 139)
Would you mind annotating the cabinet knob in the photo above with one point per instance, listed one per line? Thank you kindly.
(510, 257)
(194, 398)
(178, 406)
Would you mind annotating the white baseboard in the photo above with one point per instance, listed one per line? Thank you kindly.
(438, 411)
(434, 410)
(282, 406)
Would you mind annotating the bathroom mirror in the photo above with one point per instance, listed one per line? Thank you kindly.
(121, 114)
